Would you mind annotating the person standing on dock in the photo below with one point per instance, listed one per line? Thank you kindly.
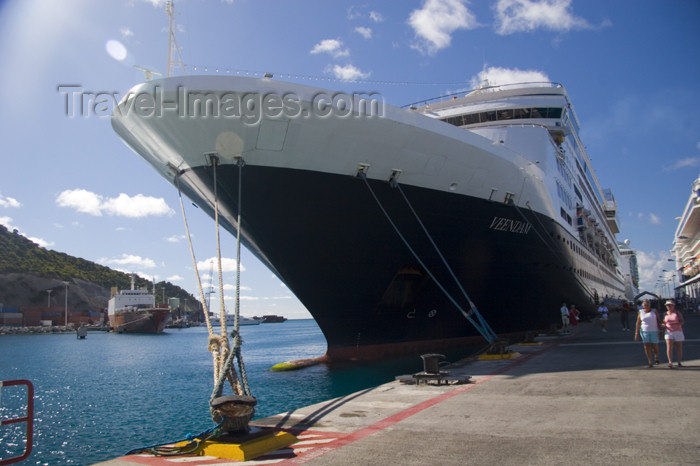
(624, 316)
(673, 323)
(573, 316)
(564, 318)
(648, 325)
(603, 311)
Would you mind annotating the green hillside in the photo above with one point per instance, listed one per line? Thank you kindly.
(27, 271)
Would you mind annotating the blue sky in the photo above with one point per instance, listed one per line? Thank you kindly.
(631, 69)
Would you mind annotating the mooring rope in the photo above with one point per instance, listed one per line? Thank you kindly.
(241, 385)
(213, 349)
(222, 309)
(222, 353)
(486, 327)
(221, 340)
(169, 448)
(483, 330)
(237, 337)
(224, 369)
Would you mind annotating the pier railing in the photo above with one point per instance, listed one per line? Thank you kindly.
(28, 419)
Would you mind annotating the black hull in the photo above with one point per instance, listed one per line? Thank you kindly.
(328, 240)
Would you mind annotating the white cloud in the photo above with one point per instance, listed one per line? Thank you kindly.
(376, 16)
(130, 260)
(81, 200)
(650, 218)
(137, 206)
(174, 278)
(152, 278)
(331, 46)
(348, 73)
(262, 298)
(126, 32)
(495, 76)
(247, 298)
(230, 287)
(7, 221)
(436, 21)
(355, 12)
(9, 202)
(527, 15)
(123, 205)
(684, 163)
(41, 242)
(228, 264)
(651, 266)
(364, 32)
(175, 238)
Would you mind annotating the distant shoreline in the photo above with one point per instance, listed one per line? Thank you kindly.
(45, 330)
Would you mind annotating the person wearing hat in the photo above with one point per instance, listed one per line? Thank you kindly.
(673, 325)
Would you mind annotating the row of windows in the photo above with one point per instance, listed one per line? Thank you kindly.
(506, 114)
(578, 250)
(597, 279)
(564, 214)
(565, 198)
(582, 252)
(564, 173)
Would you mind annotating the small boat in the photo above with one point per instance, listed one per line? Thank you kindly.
(242, 320)
(271, 319)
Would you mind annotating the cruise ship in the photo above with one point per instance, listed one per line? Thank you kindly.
(686, 249)
(393, 225)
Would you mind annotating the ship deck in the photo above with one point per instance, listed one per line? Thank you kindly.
(583, 398)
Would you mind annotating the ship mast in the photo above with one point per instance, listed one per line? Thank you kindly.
(174, 55)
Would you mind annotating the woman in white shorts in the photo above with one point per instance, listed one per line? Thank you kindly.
(648, 327)
(673, 325)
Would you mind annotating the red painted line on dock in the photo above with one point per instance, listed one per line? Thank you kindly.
(400, 416)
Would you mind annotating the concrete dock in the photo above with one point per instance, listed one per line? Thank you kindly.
(587, 397)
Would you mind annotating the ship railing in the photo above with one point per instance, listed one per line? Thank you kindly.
(28, 419)
(479, 90)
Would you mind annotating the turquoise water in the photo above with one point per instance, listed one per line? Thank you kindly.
(97, 398)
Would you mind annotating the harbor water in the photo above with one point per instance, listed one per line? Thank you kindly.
(98, 398)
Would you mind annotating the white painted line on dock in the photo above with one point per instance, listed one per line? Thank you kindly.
(313, 441)
(238, 463)
(302, 450)
(191, 459)
(601, 343)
